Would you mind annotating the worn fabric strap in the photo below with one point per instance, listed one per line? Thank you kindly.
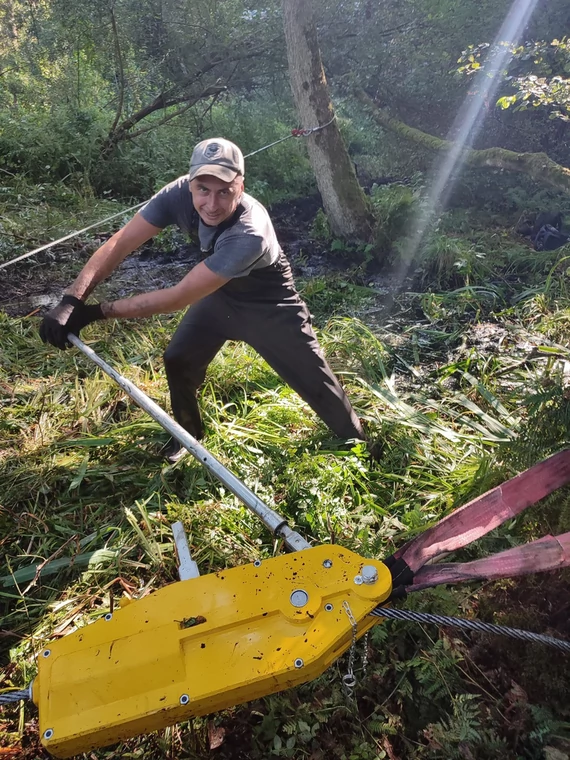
(483, 514)
(548, 553)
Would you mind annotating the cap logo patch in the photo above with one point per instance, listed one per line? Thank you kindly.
(213, 150)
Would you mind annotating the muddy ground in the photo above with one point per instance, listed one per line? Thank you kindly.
(36, 284)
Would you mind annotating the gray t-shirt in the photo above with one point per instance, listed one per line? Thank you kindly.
(247, 243)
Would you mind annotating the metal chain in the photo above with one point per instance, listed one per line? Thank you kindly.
(293, 133)
(365, 655)
(471, 625)
(349, 679)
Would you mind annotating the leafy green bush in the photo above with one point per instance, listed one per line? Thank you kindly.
(505, 194)
(447, 261)
(394, 207)
(327, 296)
(50, 143)
(63, 142)
(320, 227)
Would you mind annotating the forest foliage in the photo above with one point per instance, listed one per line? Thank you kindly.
(110, 96)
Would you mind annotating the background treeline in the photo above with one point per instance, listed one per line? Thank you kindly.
(109, 96)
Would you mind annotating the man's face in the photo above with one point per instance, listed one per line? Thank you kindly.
(215, 200)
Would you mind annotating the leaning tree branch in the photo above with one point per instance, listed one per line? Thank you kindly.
(210, 92)
(178, 93)
(168, 97)
(537, 166)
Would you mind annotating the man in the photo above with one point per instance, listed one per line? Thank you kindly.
(242, 290)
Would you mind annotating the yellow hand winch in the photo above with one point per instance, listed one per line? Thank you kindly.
(204, 644)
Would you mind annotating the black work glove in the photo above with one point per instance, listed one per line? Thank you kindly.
(71, 315)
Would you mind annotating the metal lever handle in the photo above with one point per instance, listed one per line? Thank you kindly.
(271, 519)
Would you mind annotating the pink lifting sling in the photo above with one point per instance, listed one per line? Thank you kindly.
(409, 567)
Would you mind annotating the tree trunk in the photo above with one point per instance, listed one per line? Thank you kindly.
(343, 199)
(537, 166)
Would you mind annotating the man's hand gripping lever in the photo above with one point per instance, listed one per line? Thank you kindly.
(71, 315)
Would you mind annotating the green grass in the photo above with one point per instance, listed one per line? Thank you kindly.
(33, 215)
(465, 388)
(82, 487)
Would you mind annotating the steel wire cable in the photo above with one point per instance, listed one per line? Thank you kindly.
(71, 235)
(470, 625)
(10, 697)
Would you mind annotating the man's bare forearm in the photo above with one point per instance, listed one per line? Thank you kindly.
(108, 257)
(145, 305)
(197, 284)
(99, 266)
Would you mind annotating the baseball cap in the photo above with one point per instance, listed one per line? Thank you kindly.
(218, 157)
